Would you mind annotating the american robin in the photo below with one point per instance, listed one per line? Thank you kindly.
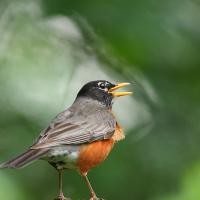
(80, 137)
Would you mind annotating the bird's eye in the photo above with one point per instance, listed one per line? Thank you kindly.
(102, 85)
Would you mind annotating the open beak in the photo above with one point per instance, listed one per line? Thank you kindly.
(119, 94)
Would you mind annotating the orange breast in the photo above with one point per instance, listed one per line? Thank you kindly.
(119, 134)
(93, 154)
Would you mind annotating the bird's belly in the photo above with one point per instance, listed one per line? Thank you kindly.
(93, 154)
(81, 157)
(64, 157)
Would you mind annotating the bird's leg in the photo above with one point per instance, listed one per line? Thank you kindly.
(92, 193)
(61, 195)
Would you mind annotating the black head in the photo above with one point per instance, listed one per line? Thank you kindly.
(98, 90)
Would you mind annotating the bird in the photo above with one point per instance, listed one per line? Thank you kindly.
(80, 137)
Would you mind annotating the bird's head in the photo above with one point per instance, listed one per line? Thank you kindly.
(102, 91)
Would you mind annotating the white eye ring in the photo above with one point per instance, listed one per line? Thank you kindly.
(102, 86)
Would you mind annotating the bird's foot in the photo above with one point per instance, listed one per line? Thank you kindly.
(62, 197)
(96, 198)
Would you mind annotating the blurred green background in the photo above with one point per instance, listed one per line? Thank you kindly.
(49, 49)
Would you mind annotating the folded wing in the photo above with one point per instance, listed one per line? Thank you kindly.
(69, 128)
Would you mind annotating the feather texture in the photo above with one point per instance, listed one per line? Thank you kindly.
(78, 126)
(25, 158)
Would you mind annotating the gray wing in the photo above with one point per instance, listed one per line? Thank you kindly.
(69, 128)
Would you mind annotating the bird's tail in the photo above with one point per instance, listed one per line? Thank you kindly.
(25, 158)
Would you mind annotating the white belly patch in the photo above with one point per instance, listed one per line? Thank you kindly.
(63, 157)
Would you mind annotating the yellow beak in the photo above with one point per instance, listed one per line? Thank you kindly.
(119, 94)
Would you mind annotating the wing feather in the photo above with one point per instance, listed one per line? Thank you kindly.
(77, 129)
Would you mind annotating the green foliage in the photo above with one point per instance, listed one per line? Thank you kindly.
(189, 188)
(10, 189)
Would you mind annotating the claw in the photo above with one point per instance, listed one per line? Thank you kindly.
(96, 198)
(61, 197)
